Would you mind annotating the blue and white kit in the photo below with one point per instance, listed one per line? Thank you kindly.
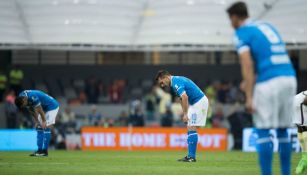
(48, 103)
(198, 102)
(276, 80)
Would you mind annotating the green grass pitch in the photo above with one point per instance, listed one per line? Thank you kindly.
(133, 163)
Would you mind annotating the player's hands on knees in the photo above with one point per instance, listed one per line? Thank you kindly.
(44, 125)
(249, 105)
(185, 118)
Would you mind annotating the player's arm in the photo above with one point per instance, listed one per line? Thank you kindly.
(39, 110)
(185, 106)
(33, 114)
(248, 75)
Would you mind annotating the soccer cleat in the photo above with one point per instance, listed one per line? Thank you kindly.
(301, 167)
(39, 153)
(36, 153)
(187, 159)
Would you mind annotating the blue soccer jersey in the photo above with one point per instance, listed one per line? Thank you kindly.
(267, 49)
(39, 98)
(182, 85)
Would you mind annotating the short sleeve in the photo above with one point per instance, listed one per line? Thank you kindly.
(35, 101)
(241, 41)
(179, 88)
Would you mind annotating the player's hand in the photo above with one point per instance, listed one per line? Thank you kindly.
(249, 105)
(36, 124)
(44, 125)
(185, 118)
(242, 85)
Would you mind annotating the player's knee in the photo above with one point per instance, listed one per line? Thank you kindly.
(192, 128)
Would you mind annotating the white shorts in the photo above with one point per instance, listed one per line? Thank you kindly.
(50, 117)
(273, 102)
(300, 110)
(197, 113)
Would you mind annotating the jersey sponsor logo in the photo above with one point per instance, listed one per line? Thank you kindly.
(280, 59)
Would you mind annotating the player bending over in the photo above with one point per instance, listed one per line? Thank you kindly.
(194, 105)
(300, 119)
(43, 109)
(270, 89)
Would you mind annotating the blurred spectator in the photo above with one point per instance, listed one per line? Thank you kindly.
(10, 110)
(150, 102)
(16, 77)
(94, 117)
(167, 118)
(3, 83)
(68, 120)
(67, 116)
(82, 97)
(136, 117)
(123, 119)
(92, 90)
(217, 117)
(115, 92)
(165, 100)
(176, 110)
(222, 92)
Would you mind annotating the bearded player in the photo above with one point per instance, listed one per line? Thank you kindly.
(300, 119)
(194, 105)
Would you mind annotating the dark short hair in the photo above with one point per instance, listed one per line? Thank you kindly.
(19, 102)
(239, 9)
(161, 74)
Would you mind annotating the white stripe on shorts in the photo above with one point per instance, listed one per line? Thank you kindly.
(192, 134)
(263, 140)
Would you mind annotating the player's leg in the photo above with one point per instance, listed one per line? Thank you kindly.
(192, 142)
(265, 151)
(197, 114)
(50, 120)
(285, 96)
(302, 137)
(284, 145)
(265, 118)
(39, 141)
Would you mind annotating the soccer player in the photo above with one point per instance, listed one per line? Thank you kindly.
(194, 105)
(43, 109)
(269, 83)
(300, 119)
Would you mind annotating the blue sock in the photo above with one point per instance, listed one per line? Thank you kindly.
(265, 151)
(40, 138)
(192, 143)
(284, 151)
(47, 137)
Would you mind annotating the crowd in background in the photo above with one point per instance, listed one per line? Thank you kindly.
(155, 107)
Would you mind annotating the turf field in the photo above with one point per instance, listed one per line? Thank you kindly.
(134, 163)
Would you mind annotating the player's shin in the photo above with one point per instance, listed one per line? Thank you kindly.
(265, 151)
(284, 151)
(47, 137)
(40, 138)
(192, 143)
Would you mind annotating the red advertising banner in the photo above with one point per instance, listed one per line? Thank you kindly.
(95, 138)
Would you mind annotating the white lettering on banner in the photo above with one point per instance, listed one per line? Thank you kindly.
(212, 140)
(178, 140)
(87, 139)
(139, 139)
(99, 139)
